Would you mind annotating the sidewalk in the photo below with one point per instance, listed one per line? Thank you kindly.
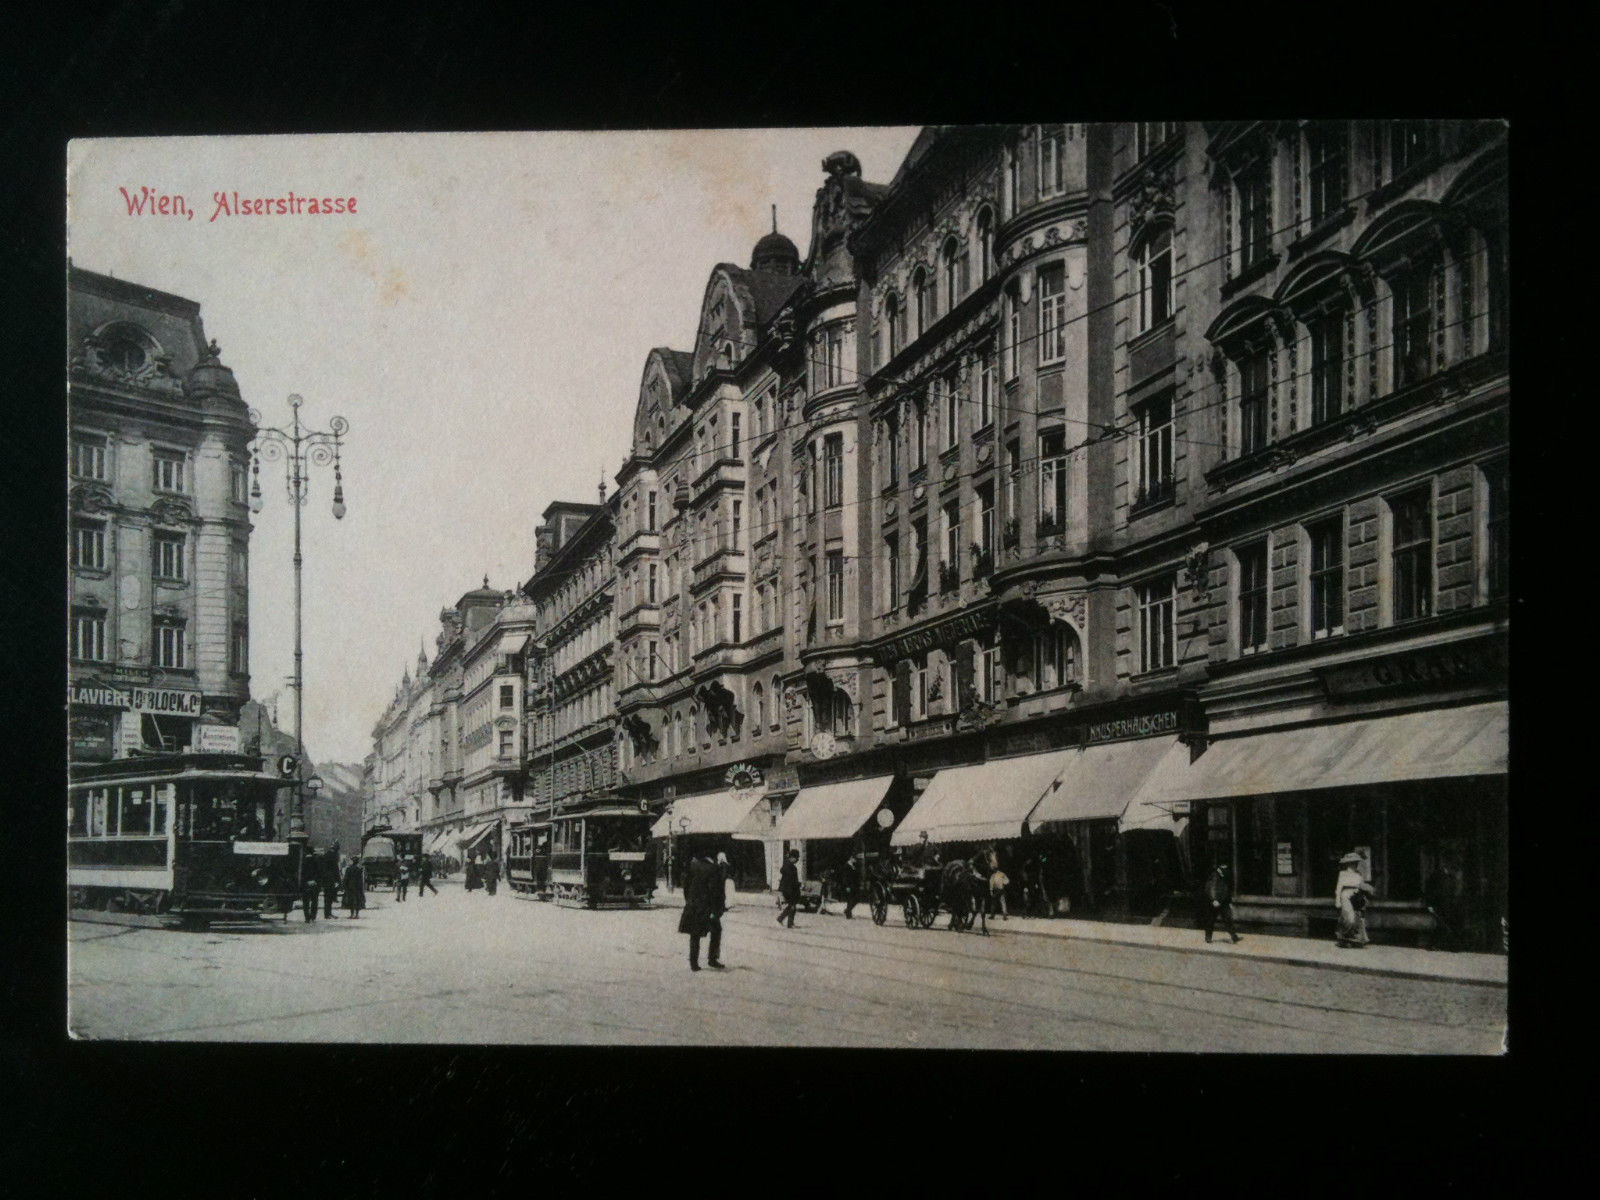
(1396, 961)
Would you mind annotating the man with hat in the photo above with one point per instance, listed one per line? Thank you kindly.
(1218, 902)
(1350, 894)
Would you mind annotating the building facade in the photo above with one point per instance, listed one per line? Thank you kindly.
(572, 716)
(158, 577)
(493, 740)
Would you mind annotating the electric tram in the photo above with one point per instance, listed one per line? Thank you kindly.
(198, 836)
(600, 856)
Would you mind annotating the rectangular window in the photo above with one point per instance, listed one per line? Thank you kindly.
(1326, 541)
(89, 545)
(1410, 142)
(919, 690)
(1254, 186)
(988, 681)
(650, 660)
(1497, 552)
(650, 512)
(1327, 366)
(1053, 481)
(1013, 480)
(1013, 339)
(1252, 597)
(919, 433)
(1154, 449)
(1148, 135)
(952, 410)
(168, 648)
(738, 618)
(833, 470)
(1052, 164)
(835, 586)
(238, 482)
(834, 350)
(952, 534)
(986, 387)
(89, 456)
(1412, 555)
(89, 635)
(1326, 151)
(1254, 378)
(239, 649)
(986, 530)
(169, 555)
(650, 584)
(1158, 624)
(504, 746)
(168, 471)
(890, 430)
(1052, 314)
(508, 695)
(738, 523)
(891, 571)
(1413, 326)
(1154, 267)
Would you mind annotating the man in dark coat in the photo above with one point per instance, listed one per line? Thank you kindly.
(491, 873)
(703, 902)
(1217, 903)
(425, 877)
(328, 874)
(309, 869)
(471, 884)
(789, 887)
(355, 888)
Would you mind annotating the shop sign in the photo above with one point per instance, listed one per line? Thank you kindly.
(1285, 858)
(216, 739)
(92, 737)
(274, 849)
(743, 780)
(782, 779)
(1149, 725)
(1477, 661)
(171, 702)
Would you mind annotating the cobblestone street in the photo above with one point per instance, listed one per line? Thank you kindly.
(468, 968)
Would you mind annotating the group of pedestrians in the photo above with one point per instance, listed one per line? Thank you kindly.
(482, 872)
(402, 879)
(334, 880)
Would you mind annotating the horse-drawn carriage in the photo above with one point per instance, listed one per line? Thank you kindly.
(922, 892)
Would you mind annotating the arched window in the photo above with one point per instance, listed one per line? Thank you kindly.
(758, 706)
(922, 299)
(894, 318)
(842, 717)
(953, 259)
(1152, 270)
(777, 701)
(985, 235)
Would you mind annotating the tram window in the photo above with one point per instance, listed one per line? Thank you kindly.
(98, 807)
(162, 809)
(134, 812)
(82, 808)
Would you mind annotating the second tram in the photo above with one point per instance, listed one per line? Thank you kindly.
(598, 857)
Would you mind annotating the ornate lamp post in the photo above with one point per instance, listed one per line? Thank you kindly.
(299, 448)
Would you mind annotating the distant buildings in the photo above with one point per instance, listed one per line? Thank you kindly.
(158, 577)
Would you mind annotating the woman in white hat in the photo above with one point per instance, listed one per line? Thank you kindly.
(1350, 894)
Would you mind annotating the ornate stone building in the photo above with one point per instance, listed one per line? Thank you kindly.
(731, 537)
(158, 641)
(572, 714)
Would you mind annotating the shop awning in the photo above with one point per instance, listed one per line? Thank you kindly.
(1097, 782)
(977, 803)
(709, 812)
(436, 843)
(469, 840)
(1439, 744)
(832, 810)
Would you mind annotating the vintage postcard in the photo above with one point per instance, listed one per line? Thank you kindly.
(1036, 586)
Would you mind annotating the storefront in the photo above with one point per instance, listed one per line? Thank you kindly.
(1421, 796)
(827, 822)
(707, 823)
(114, 721)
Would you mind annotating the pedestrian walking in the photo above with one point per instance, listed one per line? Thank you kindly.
(309, 884)
(355, 889)
(491, 874)
(402, 880)
(850, 881)
(328, 875)
(998, 882)
(703, 905)
(724, 881)
(471, 879)
(425, 878)
(1350, 893)
(789, 888)
(1217, 902)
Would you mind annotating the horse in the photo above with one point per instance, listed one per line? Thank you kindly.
(964, 890)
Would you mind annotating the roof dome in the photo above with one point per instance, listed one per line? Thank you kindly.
(210, 380)
(775, 254)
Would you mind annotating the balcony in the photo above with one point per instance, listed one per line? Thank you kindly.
(724, 471)
(982, 563)
(641, 617)
(949, 577)
(1051, 534)
(640, 541)
(724, 562)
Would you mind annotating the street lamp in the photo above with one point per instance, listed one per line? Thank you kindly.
(299, 448)
(682, 826)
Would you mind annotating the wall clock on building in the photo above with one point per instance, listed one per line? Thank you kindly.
(822, 744)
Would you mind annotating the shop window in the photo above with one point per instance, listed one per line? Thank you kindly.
(1338, 822)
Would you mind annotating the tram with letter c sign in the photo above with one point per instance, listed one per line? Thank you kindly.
(194, 835)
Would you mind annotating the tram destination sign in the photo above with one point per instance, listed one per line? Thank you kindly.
(172, 702)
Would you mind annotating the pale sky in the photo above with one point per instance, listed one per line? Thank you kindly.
(482, 323)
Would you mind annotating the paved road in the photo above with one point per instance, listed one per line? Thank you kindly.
(468, 968)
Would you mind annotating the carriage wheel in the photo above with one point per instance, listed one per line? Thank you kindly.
(912, 910)
(927, 914)
(879, 904)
